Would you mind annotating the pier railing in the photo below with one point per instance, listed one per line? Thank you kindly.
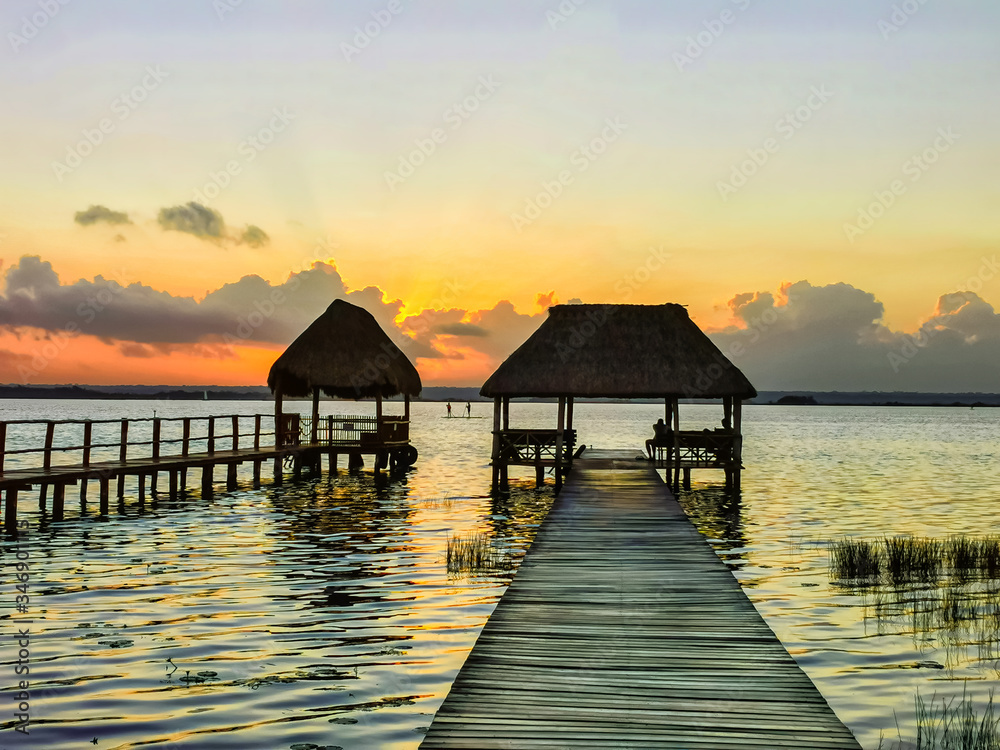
(52, 443)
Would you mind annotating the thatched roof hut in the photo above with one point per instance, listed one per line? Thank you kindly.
(618, 351)
(345, 354)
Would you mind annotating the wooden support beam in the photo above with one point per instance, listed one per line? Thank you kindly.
(256, 433)
(279, 438)
(43, 493)
(50, 428)
(207, 477)
(10, 510)
(675, 406)
(737, 444)
(406, 406)
(58, 501)
(560, 428)
(83, 494)
(142, 488)
(183, 480)
(156, 438)
(3, 446)
(230, 477)
(314, 431)
(332, 462)
(104, 482)
(495, 454)
(279, 476)
(123, 451)
(569, 426)
(173, 483)
(153, 482)
(211, 435)
(121, 486)
(256, 474)
(88, 432)
(186, 438)
(236, 432)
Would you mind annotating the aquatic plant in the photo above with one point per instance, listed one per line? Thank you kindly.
(477, 554)
(856, 560)
(950, 726)
(910, 558)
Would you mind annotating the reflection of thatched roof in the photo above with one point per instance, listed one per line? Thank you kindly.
(618, 351)
(347, 354)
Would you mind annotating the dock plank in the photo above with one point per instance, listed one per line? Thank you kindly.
(622, 628)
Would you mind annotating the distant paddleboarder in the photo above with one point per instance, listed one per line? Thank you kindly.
(449, 408)
(468, 409)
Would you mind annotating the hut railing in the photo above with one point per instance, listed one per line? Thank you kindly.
(83, 442)
(534, 446)
(355, 430)
(701, 450)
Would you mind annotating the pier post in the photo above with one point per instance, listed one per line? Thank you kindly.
(58, 501)
(83, 495)
(121, 486)
(230, 477)
(314, 430)
(256, 474)
(495, 455)
(355, 461)
(173, 484)
(183, 480)
(569, 427)
(675, 405)
(153, 479)
(88, 432)
(737, 443)
(50, 428)
(332, 462)
(206, 480)
(3, 444)
(560, 426)
(278, 475)
(105, 492)
(43, 493)
(142, 488)
(10, 510)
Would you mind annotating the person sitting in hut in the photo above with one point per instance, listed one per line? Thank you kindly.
(662, 436)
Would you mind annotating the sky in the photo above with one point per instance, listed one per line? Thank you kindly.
(186, 184)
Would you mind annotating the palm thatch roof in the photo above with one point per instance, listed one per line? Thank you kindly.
(618, 351)
(346, 354)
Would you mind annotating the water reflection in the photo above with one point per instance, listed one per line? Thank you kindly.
(718, 513)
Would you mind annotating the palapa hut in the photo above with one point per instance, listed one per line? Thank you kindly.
(621, 352)
(344, 353)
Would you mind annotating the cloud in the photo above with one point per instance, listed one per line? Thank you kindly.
(254, 237)
(193, 218)
(96, 214)
(833, 338)
(462, 329)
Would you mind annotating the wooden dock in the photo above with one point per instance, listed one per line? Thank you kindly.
(623, 629)
(106, 451)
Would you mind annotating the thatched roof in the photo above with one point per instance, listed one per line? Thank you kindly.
(618, 351)
(346, 354)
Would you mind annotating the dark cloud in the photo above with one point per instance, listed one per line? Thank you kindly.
(832, 338)
(254, 237)
(461, 329)
(96, 214)
(195, 219)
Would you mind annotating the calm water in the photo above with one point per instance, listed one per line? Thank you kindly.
(321, 614)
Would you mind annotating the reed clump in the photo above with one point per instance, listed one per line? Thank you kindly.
(956, 725)
(477, 554)
(907, 559)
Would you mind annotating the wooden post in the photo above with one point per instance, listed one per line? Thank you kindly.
(278, 437)
(256, 474)
(83, 494)
(314, 432)
(560, 426)
(43, 493)
(332, 462)
(211, 435)
(506, 413)
(495, 455)
(675, 405)
(88, 431)
(406, 406)
(737, 443)
(3, 446)
(378, 408)
(278, 474)
(123, 447)
(105, 481)
(182, 481)
(58, 501)
(141, 478)
(206, 480)
(329, 429)
(256, 435)
(121, 486)
(186, 437)
(727, 412)
(230, 477)
(156, 439)
(50, 428)
(236, 432)
(173, 483)
(569, 426)
(10, 510)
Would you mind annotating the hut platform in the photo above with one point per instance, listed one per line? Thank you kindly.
(622, 628)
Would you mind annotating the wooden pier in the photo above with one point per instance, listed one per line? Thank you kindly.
(108, 451)
(622, 628)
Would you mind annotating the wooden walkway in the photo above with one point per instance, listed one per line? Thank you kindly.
(623, 629)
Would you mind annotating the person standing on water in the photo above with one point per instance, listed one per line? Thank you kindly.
(468, 409)
(449, 408)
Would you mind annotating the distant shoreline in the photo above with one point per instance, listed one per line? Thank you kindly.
(441, 394)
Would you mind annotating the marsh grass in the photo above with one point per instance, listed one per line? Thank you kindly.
(907, 559)
(477, 554)
(956, 725)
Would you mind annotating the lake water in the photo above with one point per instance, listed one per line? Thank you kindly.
(321, 613)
